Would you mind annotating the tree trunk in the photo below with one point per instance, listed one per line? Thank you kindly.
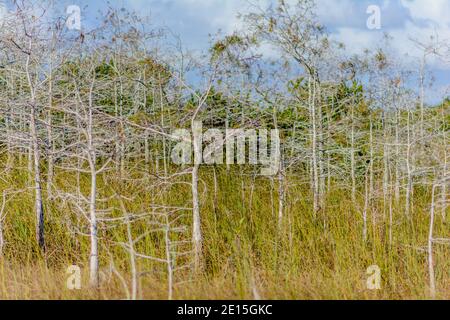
(2, 241)
(352, 155)
(366, 207)
(50, 161)
(430, 247)
(409, 182)
(397, 157)
(196, 229)
(315, 176)
(386, 157)
(169, 259)
(37, 181)
(134, 277)
(93, 259)
(34, 148)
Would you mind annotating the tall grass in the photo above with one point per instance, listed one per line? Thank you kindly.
(246, 254)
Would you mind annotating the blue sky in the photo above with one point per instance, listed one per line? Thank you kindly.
(194, 20)
(346, 20)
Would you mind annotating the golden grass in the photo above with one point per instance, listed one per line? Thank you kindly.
(245, 253)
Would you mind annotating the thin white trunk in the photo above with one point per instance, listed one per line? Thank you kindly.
(134, 277)
(280, 196)
(161, 97)
(281, 183)
(50, 147)
(93, 259)
(391, 220)
(352, 155)
(371, 164)
(2, 241)
(444, 171)
(397, 155)
(146, 149)
(366, 207)
(320, 147)
(8, 122)
(409, 183)
(169, 260)
(316, 188)
(430, 248)
(36, 156)
(216, 196)
(385, 162)
(444, 201)
(37, 181)
(196, 228)
(422, 94)
(50, 161)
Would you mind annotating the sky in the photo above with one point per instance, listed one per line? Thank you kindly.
(345, 20)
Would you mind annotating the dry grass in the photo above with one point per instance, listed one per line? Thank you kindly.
(320, 257)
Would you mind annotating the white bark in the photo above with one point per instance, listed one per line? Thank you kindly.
(409, 182)
(366, 207)
(352, 154)
(169, 260)
(432, 280)
(93, 259)
(196, 228)
(315, 166)
(134, 276)
(36, 157)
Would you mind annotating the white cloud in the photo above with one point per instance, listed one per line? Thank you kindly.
(346, 19)
(436, 12)
(425, 19)
(335, 11)
(216, 14)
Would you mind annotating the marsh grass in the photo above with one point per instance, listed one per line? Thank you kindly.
(311, 256)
